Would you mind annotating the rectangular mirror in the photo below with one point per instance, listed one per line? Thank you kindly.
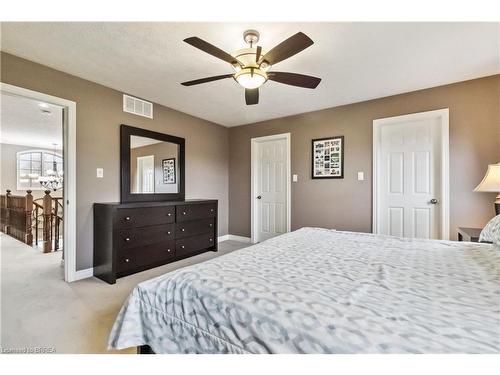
(152, 165)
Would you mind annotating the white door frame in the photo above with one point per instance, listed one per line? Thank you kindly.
(443, 114)
(69, 188)
(253, 170)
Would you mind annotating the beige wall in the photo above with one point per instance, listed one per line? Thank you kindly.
(346, 204)
(8, 176)
(218, 158)
(99, 115)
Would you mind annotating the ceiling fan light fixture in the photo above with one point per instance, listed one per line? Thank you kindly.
(250, 78)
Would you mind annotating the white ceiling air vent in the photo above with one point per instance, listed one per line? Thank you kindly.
(137, 106)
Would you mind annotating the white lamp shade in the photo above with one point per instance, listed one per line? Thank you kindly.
(491, 181)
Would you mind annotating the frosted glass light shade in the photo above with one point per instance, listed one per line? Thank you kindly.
(250, 78)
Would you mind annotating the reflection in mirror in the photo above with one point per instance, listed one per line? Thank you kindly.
(154, 166)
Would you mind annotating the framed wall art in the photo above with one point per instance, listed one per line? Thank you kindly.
(168, 166)
(328, 157)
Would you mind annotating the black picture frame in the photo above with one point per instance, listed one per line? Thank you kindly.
(165, 172)
(126, 196)
(322, 158)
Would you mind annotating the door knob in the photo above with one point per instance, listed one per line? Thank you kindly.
(259, 197)
(433, 201)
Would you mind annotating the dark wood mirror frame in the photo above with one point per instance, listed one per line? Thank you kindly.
(125, 194)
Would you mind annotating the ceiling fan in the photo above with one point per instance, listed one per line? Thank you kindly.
(252, 65)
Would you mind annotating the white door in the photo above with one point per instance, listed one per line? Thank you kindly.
(410, 192)
(271, 186)
(146, 174)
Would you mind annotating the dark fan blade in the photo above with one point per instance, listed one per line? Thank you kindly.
(205, 80)
(257, 56)
(211, 49)
(251, 96)
(288, 48)
(294, 79)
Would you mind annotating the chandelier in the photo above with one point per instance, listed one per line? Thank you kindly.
(53, 179)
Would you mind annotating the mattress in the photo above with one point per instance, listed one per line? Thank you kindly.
(323, 291)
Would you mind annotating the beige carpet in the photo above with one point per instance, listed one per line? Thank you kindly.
(38, 309)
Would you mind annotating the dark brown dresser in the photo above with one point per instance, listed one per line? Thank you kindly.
(133, 237)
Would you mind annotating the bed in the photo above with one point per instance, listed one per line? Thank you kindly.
(323, 291)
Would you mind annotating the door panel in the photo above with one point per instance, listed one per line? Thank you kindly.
(396, 221)
(396, 172)
(271, 186)
(422, 223)
(409, 177)
(421, 172)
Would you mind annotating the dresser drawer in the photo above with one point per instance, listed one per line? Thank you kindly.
(193, 228)
(130, 259)
(141, 217)
(196, 211)
(190, 245)
(136, 237)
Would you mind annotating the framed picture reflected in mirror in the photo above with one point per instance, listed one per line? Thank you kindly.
(168, 166)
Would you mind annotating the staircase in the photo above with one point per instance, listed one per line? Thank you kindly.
(34, 222)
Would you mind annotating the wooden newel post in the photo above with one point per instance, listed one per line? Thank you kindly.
(47, 221)
(29, 224)
(8, 204)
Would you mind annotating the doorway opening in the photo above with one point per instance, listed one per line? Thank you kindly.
(38, 179)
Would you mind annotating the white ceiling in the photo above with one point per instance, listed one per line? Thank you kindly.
(24, 123)
(357, 61)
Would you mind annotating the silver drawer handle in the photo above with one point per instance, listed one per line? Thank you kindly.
(211, 210)
(127, 260)
(182, 247)
(183, 230)
(183, 212)
(168, 251)
(169, 214)
(127, 239)
(168, 232)
(127, 218)
(211, 240)
(210, 224)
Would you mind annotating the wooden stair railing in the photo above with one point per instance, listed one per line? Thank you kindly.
(21, 215)
(47, 213)
(16, 214)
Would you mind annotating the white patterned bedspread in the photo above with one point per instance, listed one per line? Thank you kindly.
(323, 291)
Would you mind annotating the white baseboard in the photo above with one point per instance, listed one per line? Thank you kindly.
(232, 237)
(84, 274)
(223, 238)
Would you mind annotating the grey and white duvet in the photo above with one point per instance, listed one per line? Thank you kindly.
(323, 291)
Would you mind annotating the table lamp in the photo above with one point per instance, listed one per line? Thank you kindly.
(491, 184)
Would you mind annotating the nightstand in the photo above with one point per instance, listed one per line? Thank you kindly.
(469, 234)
